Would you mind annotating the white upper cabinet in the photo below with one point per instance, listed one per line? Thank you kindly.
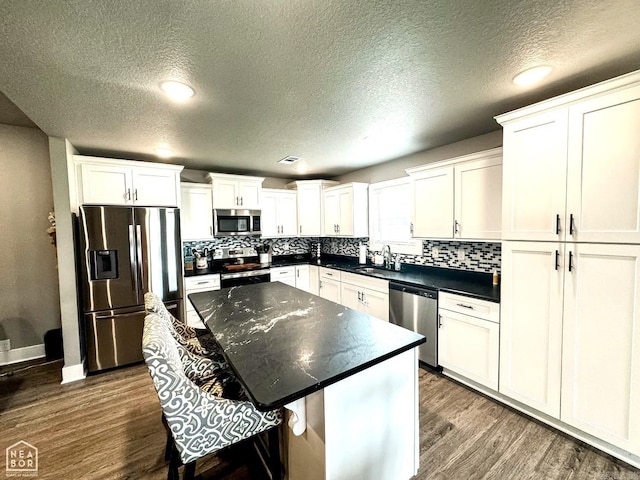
(278, 213)
(236, 191)
(535, 175)
(309, 205)
(603, 187)
(478, 199)
(105, 181)
(458, 198)
(346, 210)
(572, 166)
(196, 216)
(432, 213)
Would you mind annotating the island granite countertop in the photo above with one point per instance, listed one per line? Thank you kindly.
(284, 344)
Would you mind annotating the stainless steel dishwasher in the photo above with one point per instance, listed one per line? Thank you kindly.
(417, 309)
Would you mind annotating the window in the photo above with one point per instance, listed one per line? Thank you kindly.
(390, 217)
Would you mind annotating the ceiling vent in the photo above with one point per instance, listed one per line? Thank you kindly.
(289, 160)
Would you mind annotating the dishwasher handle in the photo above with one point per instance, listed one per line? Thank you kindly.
(423, 292)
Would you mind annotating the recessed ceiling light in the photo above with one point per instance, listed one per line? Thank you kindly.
(289, 160)
(177, 90)
(532, 75)
(163, 152)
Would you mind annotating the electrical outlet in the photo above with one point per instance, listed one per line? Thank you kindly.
(435, 252)
(5, 345)
(461, 255)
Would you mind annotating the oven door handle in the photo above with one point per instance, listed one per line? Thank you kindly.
(251, 273)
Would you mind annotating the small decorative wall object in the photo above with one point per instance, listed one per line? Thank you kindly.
(52, 227)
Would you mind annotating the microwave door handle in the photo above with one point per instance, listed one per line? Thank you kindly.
(132, 259)
(140, 260)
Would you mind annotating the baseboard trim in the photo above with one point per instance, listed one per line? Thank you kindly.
(73, 373)
(595, 442)
(22, 354)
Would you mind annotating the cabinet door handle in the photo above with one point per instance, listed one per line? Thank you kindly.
(210, 230)
(241, 201)
(300, 228)
(557, 224)
(338, 228)
(237, 200)
(456, 227)
(571, 227)
(128, 194)
(557, 258)
(464, 306)
(135, 194)
(411, 228)
(359, 297)
(570, 261)
(439, 321)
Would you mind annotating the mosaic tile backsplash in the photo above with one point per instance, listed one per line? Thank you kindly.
(279, 246)
(478, 256)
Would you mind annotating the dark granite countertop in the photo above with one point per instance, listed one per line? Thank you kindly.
(284, 344)
(471, 284)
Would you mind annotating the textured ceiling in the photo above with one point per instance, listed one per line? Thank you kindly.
(343, 85)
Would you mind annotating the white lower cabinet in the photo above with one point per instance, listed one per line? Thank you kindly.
(531, 323)
(468, 345)
(570, 339)
(329, 287)
(365, 294)
(314, 279)
(284, 274)
(601, 343)
(200, 283)
(294, 275)
(303, 279)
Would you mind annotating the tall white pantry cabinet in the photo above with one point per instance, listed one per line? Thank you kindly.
(570, 321)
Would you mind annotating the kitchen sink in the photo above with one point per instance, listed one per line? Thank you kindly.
(369, 269)
(382, 272)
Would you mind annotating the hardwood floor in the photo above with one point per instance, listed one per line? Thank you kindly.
(108, 427)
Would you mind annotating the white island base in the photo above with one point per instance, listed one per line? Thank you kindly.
(365, 426)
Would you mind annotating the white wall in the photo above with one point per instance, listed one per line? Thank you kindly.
(395, 168)
(62, 179)
(29, 303)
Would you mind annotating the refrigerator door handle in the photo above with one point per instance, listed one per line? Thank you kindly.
(140, 261)
(132, 259)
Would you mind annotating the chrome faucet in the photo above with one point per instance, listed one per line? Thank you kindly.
(386, 255)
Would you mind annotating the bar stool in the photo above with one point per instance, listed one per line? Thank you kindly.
(200, 422)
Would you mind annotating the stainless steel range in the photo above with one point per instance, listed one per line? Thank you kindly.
(240, 266)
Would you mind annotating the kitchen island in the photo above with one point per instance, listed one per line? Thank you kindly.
(351, 378)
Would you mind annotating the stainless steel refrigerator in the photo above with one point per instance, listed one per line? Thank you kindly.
(126, 252)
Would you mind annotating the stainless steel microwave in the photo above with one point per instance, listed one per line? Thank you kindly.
(236, 222)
